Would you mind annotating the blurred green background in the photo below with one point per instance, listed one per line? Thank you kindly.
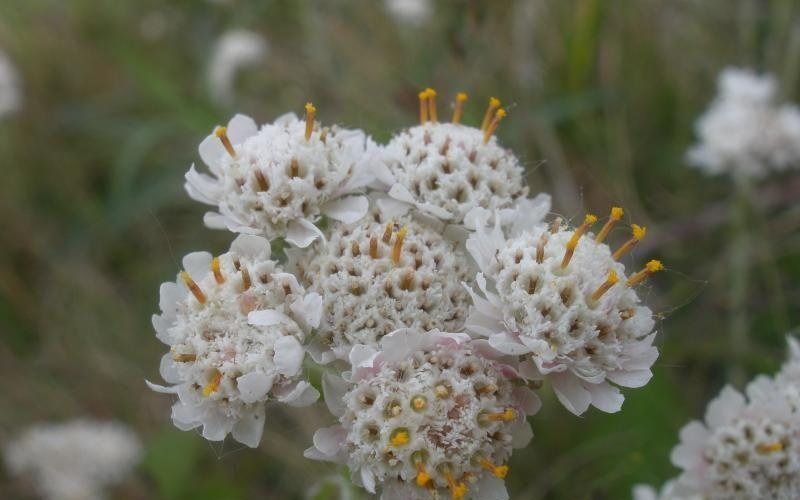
(93, 216)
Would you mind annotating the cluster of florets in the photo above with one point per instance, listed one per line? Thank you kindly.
(748, 446)
(378, 268)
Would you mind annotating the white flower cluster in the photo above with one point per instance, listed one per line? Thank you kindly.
(233, 51)
(748, 447)
(10, 93)
(430, 382)
(745, 132)
(76, 460)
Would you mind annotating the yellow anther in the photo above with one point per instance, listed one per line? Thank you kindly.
(458, 109)
(418, 403)
(355, 249)
(432, 113)
(222, 135)
(183, 358)
(490, 129)
(261, 179)
(651, 267)
(610, 281)
(217, 271)
(311, 112)
(387, 233)
(423, 478)
(399, 437)
(398, 244)
(769, 448)
(486, 389)
(638, 234)
(500, 471)
(441, 391)
(457, 488)
(507, 415)
(494, 103)
(616, 215)
(212, 386)
(423, 107)
(193, 287)
(373, 248)
(576, 236)
(246, 281)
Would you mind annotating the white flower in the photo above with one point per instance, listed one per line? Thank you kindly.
(278, 181)
(234, 50)
(76, 460)
(10, 93)
(414, 12)
(234, 325)
(380, 274)
(668, 492)
(449, 169)
(745, 132)
(426, 413)
(561, 299)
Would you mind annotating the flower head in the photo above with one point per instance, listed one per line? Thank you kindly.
(75, 460)
(426, 414)
(278, 181)
(234, 324)
(564, 303)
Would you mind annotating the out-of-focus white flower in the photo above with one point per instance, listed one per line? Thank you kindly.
(76, 460)
(234, 325)
(278, 181)
(745, 132)
(562, 300)
(414, 12)
(234, 50)
(10, 93)
(425, 413)
(381, 274)
(647, 492)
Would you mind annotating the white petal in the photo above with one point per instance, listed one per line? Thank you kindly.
(160, 388)
(483, 244)
(240, 128)
(211, 151)
(521, 433)
(635, 378)
(348, 209)
(362, 355)
(302, 233)
(185, 417)
(197, 264)
(216, 425)
(527, 399)
(606, 397)
(530, 212)
(489, 487)
(693, 437)
(399, 192)
(570, 392)
(391, 208)
(313, 453)
(724, 407)
(202, 187)
(285, 119)
(368, 479)
(168, 370)
(254, 386)
(399, 344)
(288, 355)
(308, 309)
(249, 245)
(168, 296)
(250, 427)
(644, 492)
(329, 440)
(303, 394)
(506, 344)
(334, 388)
(267, 317)
(213, 220)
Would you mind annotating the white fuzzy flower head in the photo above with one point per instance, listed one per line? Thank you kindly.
(449, 169)
(413, 12)
(233, 51)
(10, 94)
(234, 325)
(745, 132)
(278, 181)
(561, 300)
(76, 460)
(381, 274)
(424, 415)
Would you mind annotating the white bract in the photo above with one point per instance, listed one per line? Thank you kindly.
(235, 327)
(10, 93)
(426, 414)
(76, 460)
(745, 132)
(234, 50)
(278, 181)
(561, 300)
(381, 274)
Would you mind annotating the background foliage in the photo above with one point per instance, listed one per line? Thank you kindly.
(605, 95)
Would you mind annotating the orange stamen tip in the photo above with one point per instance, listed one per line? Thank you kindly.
(423, 478)
(494, 102)
(462, 97)
(501, 113)
(399, 437)
(654, 266)
(617, 213)
(221, 131)
(310, 108)
(429, 92)
(222, 134)
(193, 287)
(215, 268)
(639, 232)
(310, 113)
(590, 219)
(212, 386)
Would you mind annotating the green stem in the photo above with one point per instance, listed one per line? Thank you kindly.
(739, 269)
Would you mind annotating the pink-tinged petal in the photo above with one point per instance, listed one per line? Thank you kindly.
(240, 128)
(528, 370)
(635, 378)
(368, 479)
(302, 233)
(268, 317)
(334, 388)
(314, 454)
(527, 400)
(308, 309)
(348, 209)
(168, 369)
(606, 397)
(489, 487)
(724, 407)
(320, 353)
(248, 245)
(160, 388)
(303, 394)
(254, 386)
(521, 433)
(250, 427)
(329, 440)
(401, 343)
(197, 264)
(570, 392)
(288, 355)
(506, 344)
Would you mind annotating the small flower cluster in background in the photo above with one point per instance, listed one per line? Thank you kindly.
(433, 292)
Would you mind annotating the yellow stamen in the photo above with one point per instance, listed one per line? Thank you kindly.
(217, 271)
(418, 403)
(639, 233)
(423, 478)
(399, 437)
(263, 184)
(494, 103)
(610, 281)
(769, 448)
(458, 110)
(423, 107)
(183, 358)
(222, 135)
(387, 234)
(457, 488)
(505, 416)
(212, 386)
(311, 112)
(576, 236)
(398, 244)
(490, 129)
(432, 113)
(500, 471)
(373, 247)
(616, 215)
(651, 267)
(193, 287)
(246, 282)
(354, 249)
